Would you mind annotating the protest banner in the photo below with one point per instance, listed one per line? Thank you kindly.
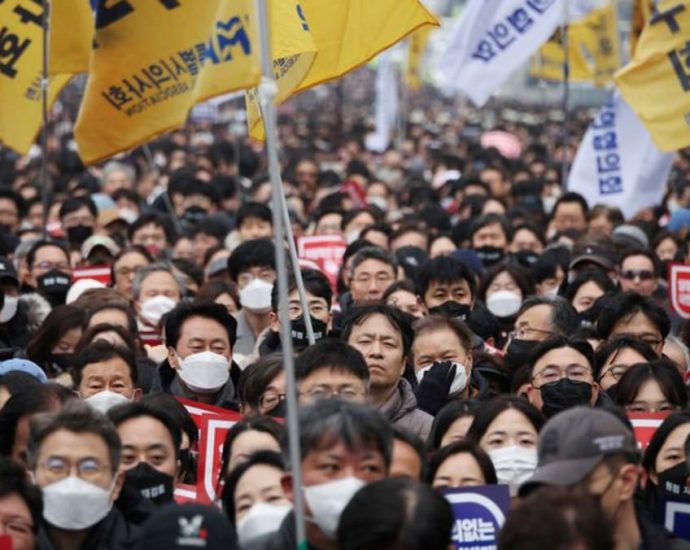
(213, 431)
(100, 273)
(676, 513)
(679, 289)
(326, 250)
(479, 513)
(644, 426)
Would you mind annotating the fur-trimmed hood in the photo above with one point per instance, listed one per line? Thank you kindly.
(37, 309)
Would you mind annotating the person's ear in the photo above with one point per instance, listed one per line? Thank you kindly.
(629, 478)
(273, 320)
(288, 489)
(137, 394)
(117, 487)
(173, 359)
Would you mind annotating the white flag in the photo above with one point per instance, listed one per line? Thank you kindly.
(493, 38)
(386, 104)
(617, 162)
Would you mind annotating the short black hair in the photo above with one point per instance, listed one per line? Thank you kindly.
(183, 312)
(119, 306)
(256, 423)
(72, 204)
(490, 219)
(651, 256)
(333, 354)
(596, 276)
(564, 318)
(615, 345)
(31, 255)
(555, 342)
(10, 194)
(256, 377)
(670, 423)
(445, 417)
(396, 513)
(267, 458)
(156, 218)
(254, 253)
(413, 440)
(444, 270)
(329, 421)
(489, 410)
(375, 253)
(315, 283)
(99, 351)
(14, 481)
(128, 411)
(626, 304)
(572, 196)
(663, 372)
(358, 314)
(460, 447)
(253, 210)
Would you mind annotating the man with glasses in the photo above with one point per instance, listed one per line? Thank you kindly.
(373, 271)
(329, 369)
(638, 272)
(74, 456)
(632, 314)
(561, 375)
(50, 270)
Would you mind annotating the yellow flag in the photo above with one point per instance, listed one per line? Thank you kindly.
(642, 11)
(21, 67)
(153, 63)
(593, 50)
(656, 83)
(416, 48)
(347, 34)
(70, 36)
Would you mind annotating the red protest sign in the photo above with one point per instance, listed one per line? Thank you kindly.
(199, 410)
(679, 289)
(326, 250)
(644, 425)
(184, 493)
(213, 432)
(100, 273)
(5, 542)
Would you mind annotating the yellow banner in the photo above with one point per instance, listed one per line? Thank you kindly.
(21, 66)
(656, 83)
(642, 11)
(593, 50)
(152, 64)
(416, 48)
(347, 34)
(70, 36)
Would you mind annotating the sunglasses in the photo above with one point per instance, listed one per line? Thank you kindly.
(632, 274)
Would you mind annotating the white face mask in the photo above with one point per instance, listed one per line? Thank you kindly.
(74, 504)
(459, 381)
(204, 372)
(256, 296)
(352, 236)
(153, 309)
(105, 400)
(9, 308)
(514, 465)
(379, 202)
(549, 203)
(328, 500)
(263, 518)
(550, 292)
(128, 214)
(504, 303)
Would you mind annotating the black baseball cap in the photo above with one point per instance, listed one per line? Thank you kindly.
(574, 442)
(7, 271)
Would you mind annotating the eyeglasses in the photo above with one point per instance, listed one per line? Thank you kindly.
(642, 274)
(127, 271)
(269, 400)
(553, 373)
(648, 338)
(615, 371)
(87, 468)
(323, 392)
(524, 333)
(47, 266)
(380, 279)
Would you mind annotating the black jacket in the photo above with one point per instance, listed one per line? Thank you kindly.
(111, 533)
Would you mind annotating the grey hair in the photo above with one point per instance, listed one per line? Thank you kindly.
(671, 339)
(114, 166)
(331, 421)
(76, 417)
(145, 271)
(564, 320)
(374, 253)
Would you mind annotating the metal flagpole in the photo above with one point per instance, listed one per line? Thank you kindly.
(45, 186)
(165, 196)
(267, 93)
(565, 39)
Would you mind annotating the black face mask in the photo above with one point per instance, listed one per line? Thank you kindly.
(54, 286)
(673, 482)
(526, 258)
(78, 234)
(563, 395)
(663, 269)
(299, 331)
(279, 411)
(62, 361)
(5, 229)
(489, 255)
(150, 483)
(194, 215)
(452, 309)
(518, 352)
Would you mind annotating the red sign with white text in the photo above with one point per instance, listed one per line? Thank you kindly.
(644, 425)
(679, 289)
(213, 432)
(100, 273)
(326, 250)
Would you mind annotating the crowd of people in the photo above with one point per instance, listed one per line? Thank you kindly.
(485, 327)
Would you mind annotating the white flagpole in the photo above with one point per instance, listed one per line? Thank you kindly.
(267, 93)
(45, 185)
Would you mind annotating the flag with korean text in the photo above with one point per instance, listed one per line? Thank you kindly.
(617, 162)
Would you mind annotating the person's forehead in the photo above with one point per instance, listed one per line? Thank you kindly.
(202, 327)
(637, 323)
(74, 445)
(541, 312)
(158, 278)
(294, 297)
(490, 227)
(144, 430)
(569, 207)
(562, 356)
(637, 259)
(50, 251)
(111, 368)
(444, 284)
(373, 265)
(331, 376)
(333, 445)
(377, 324)
(253, 220)
(14, 504)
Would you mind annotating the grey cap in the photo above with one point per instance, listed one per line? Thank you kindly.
(574, 442)
(630, 236)
(595, 254)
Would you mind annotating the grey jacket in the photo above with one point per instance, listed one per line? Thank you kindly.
(401, 409)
